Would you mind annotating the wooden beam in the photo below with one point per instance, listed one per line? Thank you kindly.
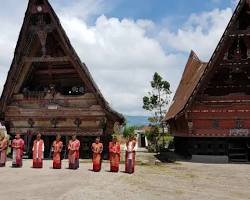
(43, 78)
(43, 119)
(56, 71)
(236, 33)
(34, 10)
(55, 131)
(47, 28)
(25, 68)
(46, 113)
(235, 63)
(46, 59)
(226, 98)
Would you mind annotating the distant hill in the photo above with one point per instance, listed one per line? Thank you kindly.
(137, 120)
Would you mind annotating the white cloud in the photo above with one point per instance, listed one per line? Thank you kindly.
(120, 54)
(83, 9)
(122, 58)
(201, 32)
(234, 2)
(10, 26)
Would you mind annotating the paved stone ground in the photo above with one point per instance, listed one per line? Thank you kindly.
(181, 181)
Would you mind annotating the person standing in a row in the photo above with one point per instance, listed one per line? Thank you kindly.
(73, 153)
(3, 149)
(18, 148)
(114, 154)
(57, 149)
(130, 155)
(97, 148)
(38, 150)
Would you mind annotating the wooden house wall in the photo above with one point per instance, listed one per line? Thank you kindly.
(56, 116)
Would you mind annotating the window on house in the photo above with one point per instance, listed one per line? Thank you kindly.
(215, 124)
(239, 124)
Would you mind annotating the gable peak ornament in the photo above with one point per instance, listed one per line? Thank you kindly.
(39, 8)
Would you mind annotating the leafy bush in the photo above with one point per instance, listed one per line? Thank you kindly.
(128, 131)
(158, 141)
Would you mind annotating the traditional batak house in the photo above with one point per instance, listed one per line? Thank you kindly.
(210, 112)
(49, 89)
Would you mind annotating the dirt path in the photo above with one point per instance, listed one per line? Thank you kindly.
(184, 181)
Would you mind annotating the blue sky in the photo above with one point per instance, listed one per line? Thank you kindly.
(123, 42)
(157, 10)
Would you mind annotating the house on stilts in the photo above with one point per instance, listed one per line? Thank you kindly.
(210, 112)
(49, 90)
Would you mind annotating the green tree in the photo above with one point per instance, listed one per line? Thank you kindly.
(153, 135)
(157, 101)
(128, 131)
